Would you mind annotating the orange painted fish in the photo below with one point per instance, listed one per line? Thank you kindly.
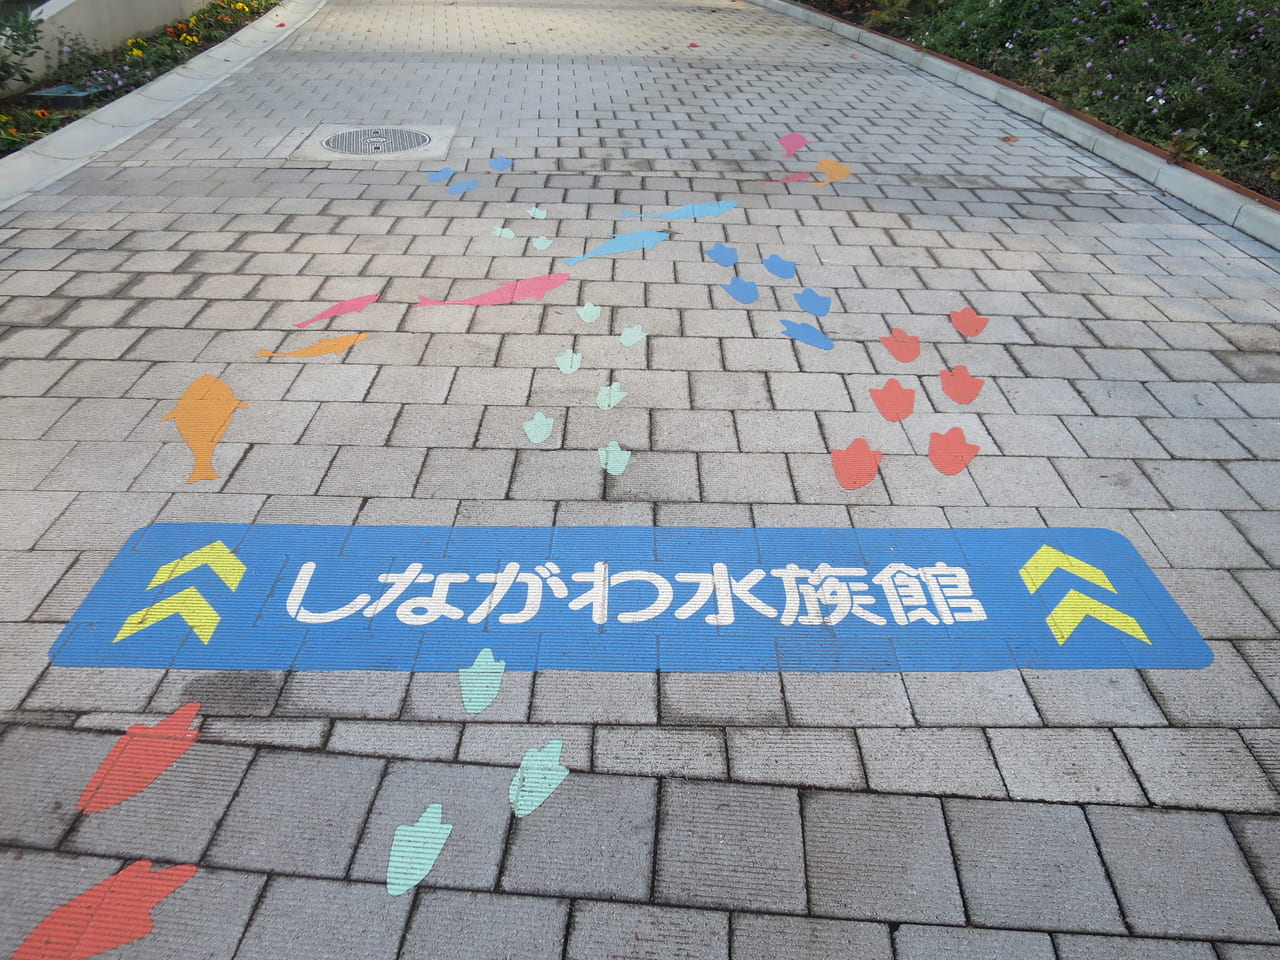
(833, 170)
(328, 345)
(202, 415)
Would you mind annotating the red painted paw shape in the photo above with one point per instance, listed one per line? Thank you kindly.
(950, 452)
(968, 323)
(856, 466)
(894, 401)
(901, 345)
(960, 385)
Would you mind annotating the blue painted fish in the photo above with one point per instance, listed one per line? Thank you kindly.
(689, 211)
(622, 242)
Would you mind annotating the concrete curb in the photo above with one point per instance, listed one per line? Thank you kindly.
(76, 144)
(1247, 215)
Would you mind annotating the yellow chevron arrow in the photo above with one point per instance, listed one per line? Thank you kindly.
(1046, 560)
(188, 604)
(1075, 606)
(220, 559)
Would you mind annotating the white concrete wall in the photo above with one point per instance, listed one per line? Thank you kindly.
(104, 23)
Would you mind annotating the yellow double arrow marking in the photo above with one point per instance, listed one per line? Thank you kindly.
(189, 604)
(1075, 606)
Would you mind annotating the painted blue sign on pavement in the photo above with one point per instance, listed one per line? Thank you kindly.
(300, 597)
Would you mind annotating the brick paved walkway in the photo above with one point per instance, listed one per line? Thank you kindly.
(1131, 383)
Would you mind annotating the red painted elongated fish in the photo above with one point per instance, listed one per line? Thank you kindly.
(115, 912)
(138, 757)
(533, 288)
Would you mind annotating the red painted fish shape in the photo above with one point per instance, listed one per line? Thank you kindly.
(533, 288)
(338, 309)
(138, 757)
(115, 912)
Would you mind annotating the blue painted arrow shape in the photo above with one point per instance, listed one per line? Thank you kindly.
(807, 333)
(724, 256)
(623, 242)
(813, 303)
(783, 269)
(744, 291)
(688, 212)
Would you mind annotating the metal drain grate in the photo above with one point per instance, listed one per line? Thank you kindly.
(376, 140)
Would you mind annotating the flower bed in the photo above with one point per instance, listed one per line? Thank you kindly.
(1196, 78)
(108, 75)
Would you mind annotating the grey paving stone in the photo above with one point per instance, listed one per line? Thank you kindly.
(382, 738)
(721, 698)
(1195, 439)
(27, 418)
(296, 734)
(532, 928)
(771, 937)
(1030, 865)
(97, 688)
(731, 846)
(1108, 483)
(23, 648)
(325, 920)
(1080, 946)
(1241, 951)
(810, 757)
(1093, 698)
(466, 474)
(174, 817)
(1215, 603)
(1260, 479)
(473, 799)
(343, 693)
(945, 761)
(1198, 538)
(1259, 838)
(1262, 530)
(883, 858)
(506, 743)
(847, 699)
(1030, 435)
(1020, 481)
(1197, 484)
(281, 468)
(1180, 874)
(1225, 693)
(45, 770)
(592, 838)
(914, 942)
(288, 817)
(1063, 765)
(438, 696)
(1195, 399)
(590, 696)
(967, 699)
(642, 932)
(1198, 768)
(661, 751)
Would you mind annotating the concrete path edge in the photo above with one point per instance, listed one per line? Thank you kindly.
(1245, 214)
(76, 144)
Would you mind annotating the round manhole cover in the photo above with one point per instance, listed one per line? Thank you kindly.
(375, 140)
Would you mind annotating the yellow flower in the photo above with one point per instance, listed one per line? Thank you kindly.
(135, 53)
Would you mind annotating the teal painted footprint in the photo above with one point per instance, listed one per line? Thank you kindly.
(588, 312)
(539, 774)
(541, 243)
(538, 427)
(613, 458)
(632, 335)
(415, 849)
(569, 362)
(609, 397)
(481, 681)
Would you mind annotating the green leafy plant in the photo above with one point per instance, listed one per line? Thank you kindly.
(19, 42)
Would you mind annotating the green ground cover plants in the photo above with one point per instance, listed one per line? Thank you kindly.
(1197, 78)
(113, 73)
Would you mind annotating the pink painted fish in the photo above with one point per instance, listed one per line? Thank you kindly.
(338, 309)
(793, 142)
(532, 288)
(789, 178)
